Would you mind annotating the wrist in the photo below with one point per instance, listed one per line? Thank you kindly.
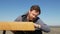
(39, 26)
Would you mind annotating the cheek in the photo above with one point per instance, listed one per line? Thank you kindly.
(31, 16)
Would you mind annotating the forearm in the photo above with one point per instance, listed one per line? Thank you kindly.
(45, 28)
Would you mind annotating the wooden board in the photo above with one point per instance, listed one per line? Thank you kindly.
(24, 26)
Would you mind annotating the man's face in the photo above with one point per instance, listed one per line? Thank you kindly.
(33, 14)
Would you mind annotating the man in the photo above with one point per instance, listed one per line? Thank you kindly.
(32, 16)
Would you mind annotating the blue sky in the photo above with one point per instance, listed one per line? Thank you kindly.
(11, 9)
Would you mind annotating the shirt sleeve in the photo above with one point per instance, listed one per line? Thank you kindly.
(44, 27)
(18, 19)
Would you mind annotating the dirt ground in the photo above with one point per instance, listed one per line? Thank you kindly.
(53, 31)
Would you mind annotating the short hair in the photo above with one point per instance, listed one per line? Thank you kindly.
(35, 7)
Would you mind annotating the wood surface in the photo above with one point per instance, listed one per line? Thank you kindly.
(24, 26)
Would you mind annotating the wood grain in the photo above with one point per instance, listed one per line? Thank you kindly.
(24, 26)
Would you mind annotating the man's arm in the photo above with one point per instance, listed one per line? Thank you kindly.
(18, 19)
(43, 26)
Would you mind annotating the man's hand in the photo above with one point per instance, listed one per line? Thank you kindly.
(37, 25)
